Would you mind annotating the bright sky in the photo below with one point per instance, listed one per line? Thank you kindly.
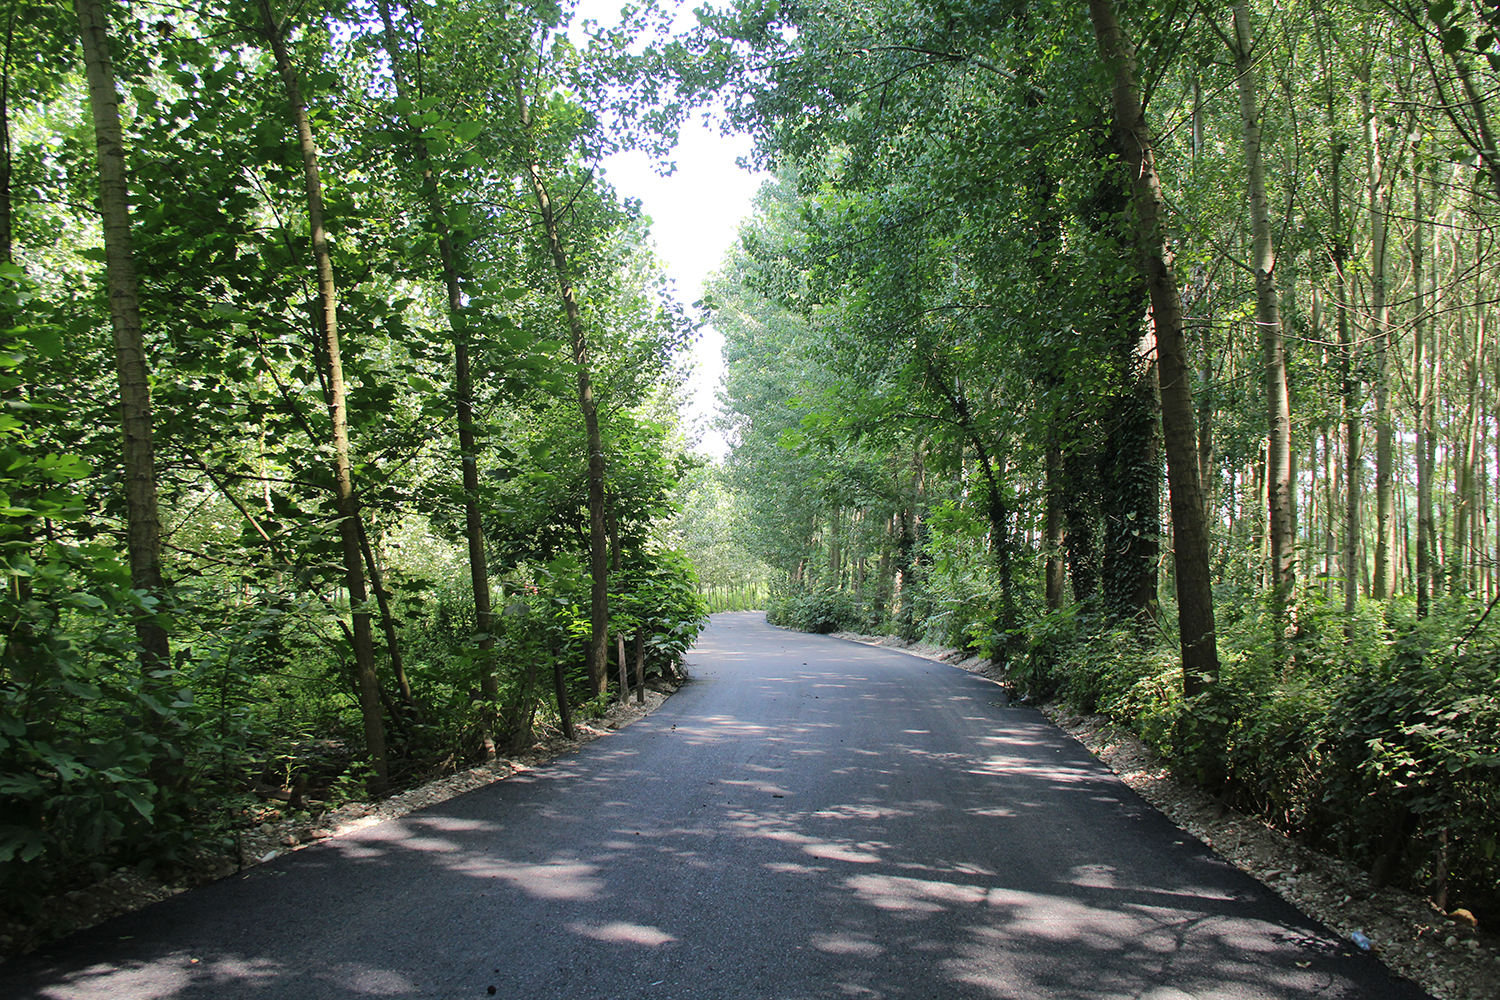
(695, 214)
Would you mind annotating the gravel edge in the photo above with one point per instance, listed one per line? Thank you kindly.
(126, 890)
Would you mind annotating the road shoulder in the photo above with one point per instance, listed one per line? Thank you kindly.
(1448, 958)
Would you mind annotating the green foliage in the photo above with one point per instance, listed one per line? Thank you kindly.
(821, 611)
(77, 753)
(101, 764)
(657, 597)
(1393, 761)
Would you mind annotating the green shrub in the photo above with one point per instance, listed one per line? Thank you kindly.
(820, 611)
(1413, 775)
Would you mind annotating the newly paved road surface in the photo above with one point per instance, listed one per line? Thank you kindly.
(809, 818)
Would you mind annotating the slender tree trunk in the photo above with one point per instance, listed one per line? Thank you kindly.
(598, 540)
(1056, 568)
(1330, 526)
(143, 521)
(1383, 586)
(1353, 405)
(463, 391)
(560, 686)
(624, 673)
(640, 666)
(7, 238)
(1423, 388)
(1207, 474)
(327, 321)
(1282, 543)
(1200, 658)
(387, 618)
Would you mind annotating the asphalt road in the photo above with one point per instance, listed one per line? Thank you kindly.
(809, 818)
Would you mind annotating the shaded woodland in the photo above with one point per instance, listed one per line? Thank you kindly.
(1145, 348)
(1149, 350)
(340, 434)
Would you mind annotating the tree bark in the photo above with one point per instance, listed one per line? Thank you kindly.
(1056, 569)
(598, 540)
(326, 317)
(1353, 401)
(7, 238)
(143, 520)
(1200, 657)
(640, 666)
(463, 391)
(1383, 585)
(387, 618)
(1423, 389)
(624, 669)
(560, 686)
(1280, 532)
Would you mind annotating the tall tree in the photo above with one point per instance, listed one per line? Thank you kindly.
(588, 407)
(463, 379)
(1273, 343)
(326, 321)
(1379, 179)
(1200, 657)
(1422, 379)
(143, 524)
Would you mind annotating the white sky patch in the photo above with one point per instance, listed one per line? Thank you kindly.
(695, 216)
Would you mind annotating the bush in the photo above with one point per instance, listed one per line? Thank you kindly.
(1383, 750)
(820, 611)
(1412, 780)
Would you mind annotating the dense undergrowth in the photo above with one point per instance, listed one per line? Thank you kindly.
(1382, 746)
(102, 766)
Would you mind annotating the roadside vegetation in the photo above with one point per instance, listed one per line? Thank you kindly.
(338, 415)
(1147, 350)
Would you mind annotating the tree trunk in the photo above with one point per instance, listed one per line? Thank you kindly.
(463, 391)
(560, 685)
(143, 521)
(1130, 482)
(624, 673)
(640, 666)
(598, 540)
(327, 321)
(1383, 585)
(1282, 543)
(1353, 401)
(1423, 388)
(1200, 657)
(1056, 489)
(387, 618)
(1081, 515)
(7, 238)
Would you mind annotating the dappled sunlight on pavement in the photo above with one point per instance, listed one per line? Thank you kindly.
(768, 834)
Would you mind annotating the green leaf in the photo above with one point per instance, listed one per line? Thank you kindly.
(142, 804)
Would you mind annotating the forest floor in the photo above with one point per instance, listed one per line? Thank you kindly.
(275, 831)
(1446, 955)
